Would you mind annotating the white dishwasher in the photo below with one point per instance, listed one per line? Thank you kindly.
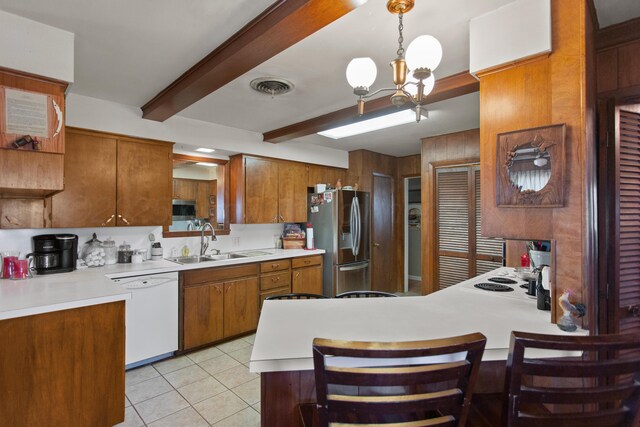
(151, 317)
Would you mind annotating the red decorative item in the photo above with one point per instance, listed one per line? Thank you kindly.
(525, 261)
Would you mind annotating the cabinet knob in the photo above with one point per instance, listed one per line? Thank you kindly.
(123, 219)
(376, 245)
(275, 279)
(306, 261)
(274, 266)
(297, 274)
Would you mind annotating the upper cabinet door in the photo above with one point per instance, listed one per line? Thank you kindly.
(89, 196)
(292, 192)
(144, 183)
(261, 191)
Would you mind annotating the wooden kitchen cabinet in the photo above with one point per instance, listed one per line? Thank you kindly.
(292, 192)
(261, 191)
(25, 172)
(306, 275)
(185, 189)
(275, 278)
(203, 191)
(267, 191)
(218, 303)
(111, 180)
(203, 314)
(240, 306)
(64, 368)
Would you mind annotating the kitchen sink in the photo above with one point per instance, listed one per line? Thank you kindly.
(194, 259)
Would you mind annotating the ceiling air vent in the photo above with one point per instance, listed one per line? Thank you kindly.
(271, 86)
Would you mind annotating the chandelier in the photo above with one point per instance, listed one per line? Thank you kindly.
(422, 56)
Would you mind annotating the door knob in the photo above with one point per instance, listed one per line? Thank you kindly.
(377, 245)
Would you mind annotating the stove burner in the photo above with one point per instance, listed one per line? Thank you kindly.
(525, 286)
(493, 287)
(502, 280)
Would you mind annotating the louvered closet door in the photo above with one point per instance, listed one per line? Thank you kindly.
(488, 250)
(462, 251)
(452, 189)
(627, 257)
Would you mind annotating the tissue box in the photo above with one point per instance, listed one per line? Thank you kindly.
(293, 243)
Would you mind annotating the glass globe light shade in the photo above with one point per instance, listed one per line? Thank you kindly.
(361, 72)
(413, 89)
(424, 52)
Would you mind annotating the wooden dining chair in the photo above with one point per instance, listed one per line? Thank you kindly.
(365, 294)
(599, 388)
(415, 383)
(296, 296)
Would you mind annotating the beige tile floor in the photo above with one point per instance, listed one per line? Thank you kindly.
(211, 387)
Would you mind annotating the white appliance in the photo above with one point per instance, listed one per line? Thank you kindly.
(151, 317)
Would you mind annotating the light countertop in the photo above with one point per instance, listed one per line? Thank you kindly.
(53, 292)
(288, 327)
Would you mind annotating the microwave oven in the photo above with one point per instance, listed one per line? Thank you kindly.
(183, 210)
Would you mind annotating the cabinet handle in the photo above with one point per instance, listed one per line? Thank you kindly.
(306, 261)
(376, 245)
(109, 220)
(275, 279)
(123, 219)
(274, 266)
(282, 219)
(297, 274)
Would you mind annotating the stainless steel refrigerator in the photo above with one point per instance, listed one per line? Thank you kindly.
(340, 220)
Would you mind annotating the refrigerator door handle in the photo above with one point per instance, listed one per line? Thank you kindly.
(352, 225)
(353, 268)
(358, 224)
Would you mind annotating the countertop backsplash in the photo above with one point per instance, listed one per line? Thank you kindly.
(241, 237)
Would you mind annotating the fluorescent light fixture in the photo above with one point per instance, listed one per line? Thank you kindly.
(209, 165)
(395, 119)
(205, 150)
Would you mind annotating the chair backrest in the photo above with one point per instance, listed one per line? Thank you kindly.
(396, 382)
(296, 296)
(595, 389)
(364, 294)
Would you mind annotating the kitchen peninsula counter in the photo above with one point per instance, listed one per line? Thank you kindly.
(282, 350)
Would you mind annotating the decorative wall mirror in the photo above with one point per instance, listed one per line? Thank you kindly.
(200, 194)
(530, 167)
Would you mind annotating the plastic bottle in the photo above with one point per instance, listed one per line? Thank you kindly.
(310, 236)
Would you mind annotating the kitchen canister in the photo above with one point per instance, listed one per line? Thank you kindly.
(124, 253)
(110, 251)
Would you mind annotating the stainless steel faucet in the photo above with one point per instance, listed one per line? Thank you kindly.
(204, 244)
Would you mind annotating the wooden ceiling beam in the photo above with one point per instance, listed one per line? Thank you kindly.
(279, 27)
(445, 88)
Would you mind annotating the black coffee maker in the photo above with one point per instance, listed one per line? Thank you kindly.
(54, 253)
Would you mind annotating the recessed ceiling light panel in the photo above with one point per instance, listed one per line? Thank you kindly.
(377, 123)
(209, 165)
(205, 150)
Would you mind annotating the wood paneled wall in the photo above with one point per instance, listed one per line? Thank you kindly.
(618, 59)
(443, 150)
(548, 90)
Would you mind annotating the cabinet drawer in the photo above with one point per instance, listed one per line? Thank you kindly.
(194, 277)
(306, 261)
(275, 280)
(275, 265)
(271, 292)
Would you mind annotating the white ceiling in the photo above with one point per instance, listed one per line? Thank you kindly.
(612, 12)
(127, 51)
